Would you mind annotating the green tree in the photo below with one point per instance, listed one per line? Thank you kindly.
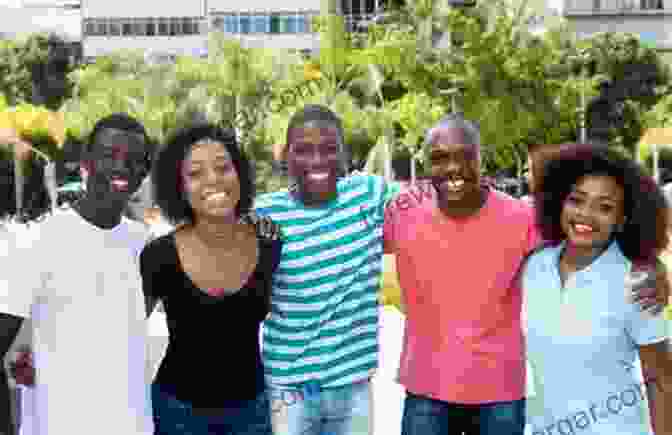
(614, 56)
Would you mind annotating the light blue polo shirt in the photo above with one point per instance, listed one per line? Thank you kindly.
(582, 343)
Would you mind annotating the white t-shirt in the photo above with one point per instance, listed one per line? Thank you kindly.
(582, 342)
(81, 287)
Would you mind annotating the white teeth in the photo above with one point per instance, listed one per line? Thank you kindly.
(216, 196)
(455, 184)
(583, 228)
(318, 176)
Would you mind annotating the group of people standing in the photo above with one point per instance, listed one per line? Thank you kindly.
(489, 283)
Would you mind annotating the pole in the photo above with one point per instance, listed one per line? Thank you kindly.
(656, 170)
(18, 181)
(584, 139)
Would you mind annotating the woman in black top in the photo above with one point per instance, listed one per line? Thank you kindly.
(213, 275)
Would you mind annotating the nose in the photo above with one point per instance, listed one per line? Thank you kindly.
(317, 158)
(212, 176)
(119, 165)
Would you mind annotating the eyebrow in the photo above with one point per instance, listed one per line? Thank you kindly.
(602, 197)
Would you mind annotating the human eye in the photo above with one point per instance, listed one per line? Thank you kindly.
(606, 208)
(574, 199)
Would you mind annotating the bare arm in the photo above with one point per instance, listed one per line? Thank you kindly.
(657, 365)
(9, 329)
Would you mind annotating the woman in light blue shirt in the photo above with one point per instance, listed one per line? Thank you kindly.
(585, 338)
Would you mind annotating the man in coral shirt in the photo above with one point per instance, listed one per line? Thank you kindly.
(459, 246)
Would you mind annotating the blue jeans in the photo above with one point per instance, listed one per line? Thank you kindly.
(174, 417)
(425, 416)
(312, 410)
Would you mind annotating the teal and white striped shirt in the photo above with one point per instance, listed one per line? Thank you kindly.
(323, 324)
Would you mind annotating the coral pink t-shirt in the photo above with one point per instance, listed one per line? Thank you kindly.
(463, 341)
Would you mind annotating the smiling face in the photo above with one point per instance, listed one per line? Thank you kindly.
(116, 165)
(210, 181)
(314, 160)
(592, 211)
(455, 167)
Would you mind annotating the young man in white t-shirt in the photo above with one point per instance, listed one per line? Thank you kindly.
(77, 279)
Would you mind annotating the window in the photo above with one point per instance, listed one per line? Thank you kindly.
(303, 23)
(89, 28)
(292, 23)
(189, 26)
(164, 27)
(151, 27)
(274, 24)
(139, 27)
(126, 28)
(175, 27)
(261, 24)
(651, 4)
(101, 25)
(231, 24)
(115, 27)
(245, 26)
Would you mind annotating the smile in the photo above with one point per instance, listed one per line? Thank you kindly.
(317, 176)
(582, 228)
(215, 197)
(119, 184)
(455, 185)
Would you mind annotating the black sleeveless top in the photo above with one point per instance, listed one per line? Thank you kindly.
(213, 358)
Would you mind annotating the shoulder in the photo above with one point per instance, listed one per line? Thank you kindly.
(268, 202)
(158, 249)
(136, 229)
(359, 180)
(510, 206)
(540, 256)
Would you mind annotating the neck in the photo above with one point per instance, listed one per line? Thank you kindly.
(578, 258)
(464, 209)
(312, 200)
(221, 232)
(103, 215)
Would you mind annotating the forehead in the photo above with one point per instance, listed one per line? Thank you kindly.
(599, 185)
(449, 135)
(114, 136)
(315, 132)
(206, 150)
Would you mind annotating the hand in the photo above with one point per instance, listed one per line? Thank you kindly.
(653, 293)
(9, 136)
(22, 367)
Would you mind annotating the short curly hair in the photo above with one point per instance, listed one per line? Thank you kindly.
(644, 235)
(166, 171)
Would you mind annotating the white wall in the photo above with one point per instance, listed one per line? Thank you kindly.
(142, 8)
(20, 21)
(261, 5)
(651, 28)
(280, 41)
(615, 6)
(183, 45)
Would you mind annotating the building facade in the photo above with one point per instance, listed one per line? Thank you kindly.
(181, 28)
(174, 28)
(650, 19)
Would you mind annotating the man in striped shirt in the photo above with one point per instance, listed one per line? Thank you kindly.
(320, 342)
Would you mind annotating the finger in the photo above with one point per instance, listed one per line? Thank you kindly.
(644, 292)
(646, 303)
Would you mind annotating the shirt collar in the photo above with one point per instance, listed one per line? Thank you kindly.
(612, 255)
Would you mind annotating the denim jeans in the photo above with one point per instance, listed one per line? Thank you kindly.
(312, 410)
(425, 416)
(174, 417)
